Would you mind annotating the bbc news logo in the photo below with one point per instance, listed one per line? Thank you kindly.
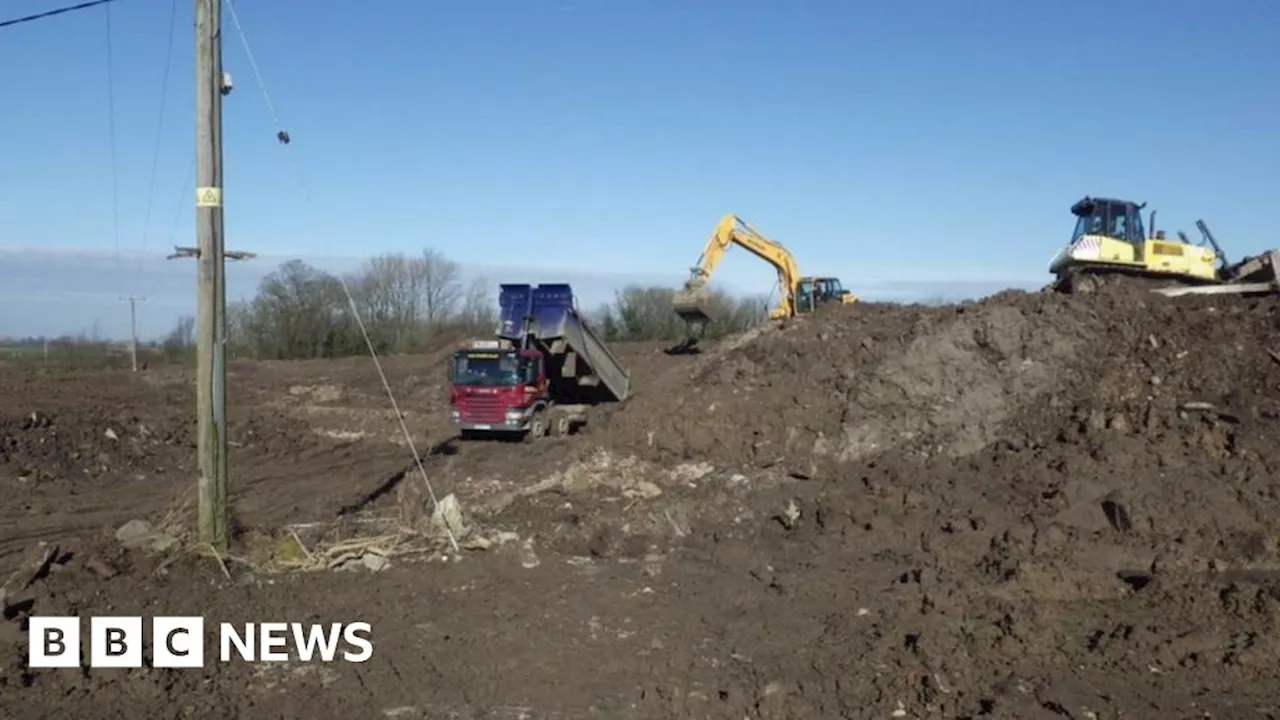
(179, 642)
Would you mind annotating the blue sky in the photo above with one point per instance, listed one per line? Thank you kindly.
(921, 148)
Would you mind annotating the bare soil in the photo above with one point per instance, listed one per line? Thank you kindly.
(1030, 506)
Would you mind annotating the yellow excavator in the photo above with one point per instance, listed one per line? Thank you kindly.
(1110, 240)
(797, 295)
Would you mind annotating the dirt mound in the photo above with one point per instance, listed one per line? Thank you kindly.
(1030, 506)
(1033, 479)
(854, 382)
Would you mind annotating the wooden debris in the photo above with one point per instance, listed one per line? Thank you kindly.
(40, 559)
(101, 568)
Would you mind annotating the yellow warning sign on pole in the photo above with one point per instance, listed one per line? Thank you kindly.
(209, 197)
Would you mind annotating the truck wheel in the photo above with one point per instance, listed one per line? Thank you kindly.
(562, 425)
(537, 427)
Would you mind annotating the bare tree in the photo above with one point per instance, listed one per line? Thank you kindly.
(183, 334)
(646, 313)
(478, 312)
(387, 292)
(238, 314)
(441, 288)
(406, 301)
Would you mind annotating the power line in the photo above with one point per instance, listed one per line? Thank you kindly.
(155, 158)
(51, 13)
(111, 128)
(283, 136)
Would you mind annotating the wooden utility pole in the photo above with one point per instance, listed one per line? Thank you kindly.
(133, 329)
(210, 254)
(211, 369)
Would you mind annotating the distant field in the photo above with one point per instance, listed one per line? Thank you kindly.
(64, 354)
(17, 351)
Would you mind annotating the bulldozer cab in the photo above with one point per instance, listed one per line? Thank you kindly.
(827, 288)
(1111, 218)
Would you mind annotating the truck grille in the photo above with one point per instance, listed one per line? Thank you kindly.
(476, 409)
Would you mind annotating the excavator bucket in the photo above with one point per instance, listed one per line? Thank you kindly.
(691, 305)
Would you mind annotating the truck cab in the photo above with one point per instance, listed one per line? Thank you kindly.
(542, 373)
(495, 386)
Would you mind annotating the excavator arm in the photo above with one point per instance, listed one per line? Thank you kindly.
(690, 302)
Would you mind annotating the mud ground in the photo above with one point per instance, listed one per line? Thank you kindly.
(1031, 506)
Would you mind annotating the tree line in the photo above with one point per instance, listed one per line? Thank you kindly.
(410, 303)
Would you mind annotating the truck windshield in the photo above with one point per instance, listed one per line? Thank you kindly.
(487, 368)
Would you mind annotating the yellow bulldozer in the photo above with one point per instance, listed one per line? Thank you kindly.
(797, 294)
(1110, 240)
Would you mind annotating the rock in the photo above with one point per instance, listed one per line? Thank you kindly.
(690, 472)
(789, 516)
(485, 542)
(1050, 539)
(646, 490)
(375, 562)
(161, 542)
(448, 517)
(134, 534)
(111, 434)
(139, 535)
(529, 558)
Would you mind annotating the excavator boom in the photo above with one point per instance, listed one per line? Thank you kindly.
(691, 302)
(796, 294)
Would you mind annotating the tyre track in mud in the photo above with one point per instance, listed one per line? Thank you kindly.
(66, 478)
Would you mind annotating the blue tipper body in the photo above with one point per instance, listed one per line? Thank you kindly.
(583, 366)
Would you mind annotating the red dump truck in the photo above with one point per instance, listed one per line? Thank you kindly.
(541, 374)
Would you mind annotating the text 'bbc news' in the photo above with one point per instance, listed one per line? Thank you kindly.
(179, 642)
